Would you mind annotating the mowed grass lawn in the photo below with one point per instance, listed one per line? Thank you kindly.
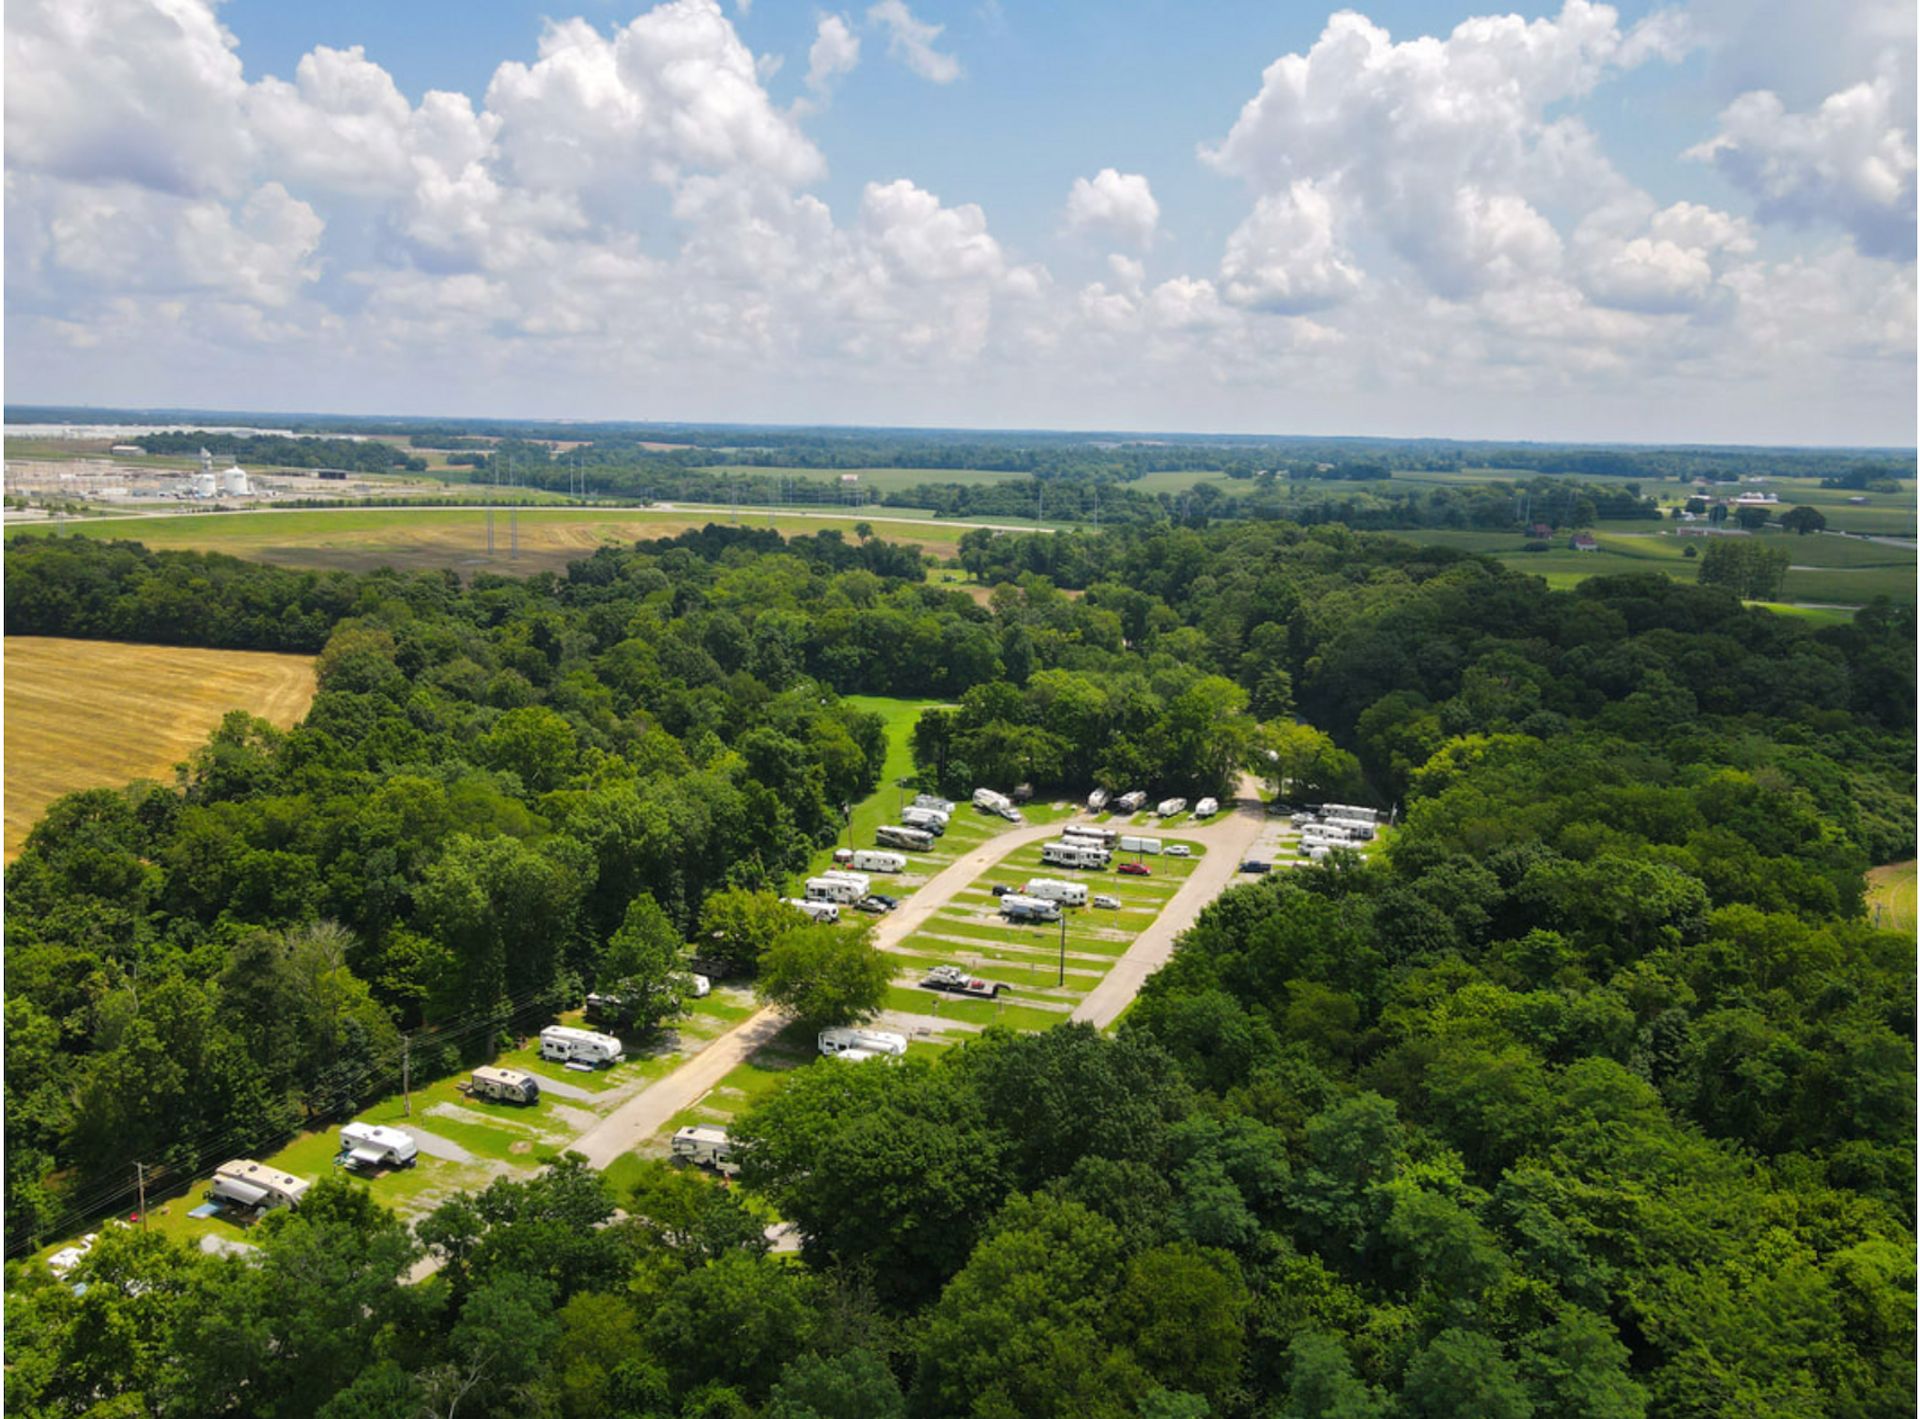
(358, 539)
(97, 714)
(1890, 896)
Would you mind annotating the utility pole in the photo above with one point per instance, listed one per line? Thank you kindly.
(492, 494)
(406, 1073)
(140, 1178)
(1063, 946)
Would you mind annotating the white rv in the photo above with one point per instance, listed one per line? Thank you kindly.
(1017, 906)
(872, 860)
(834, 889)
(1350, 810)
(512, 1086)
(857, 880)
(925, 819)
(1067, 894)
(898, 835)
(1129, 843)
(1169, 806)
(855, 1037)
(245, 1183)
(938, 805)
(819, 911)
(369, 1145)
(1131, 802)
(707, 1146)
(1206, 808)
(1089, 833)
(1069, 852)
(987, 801)
(1097, 800)
(574, 1046)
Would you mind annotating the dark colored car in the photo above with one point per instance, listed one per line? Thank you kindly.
(1001, 891)
(1136, 869)
(1256, 866)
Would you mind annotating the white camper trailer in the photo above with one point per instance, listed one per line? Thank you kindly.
(1068, 894)
(1071, 852)
(1129, 843)
(924, 819)
(246, 1184)
(987, 801)
(510, 1086)
(873, 860)
(706, 1146)
(370, 1145)
(857, 880)
(834, 889)
(899, 835)
(1350, 810)
(572, 1046)
(1131, 802)
(1169, 806)
(854, 1037)
(1206, 808)
(938, 805)
(819, 911)
(1017, 906)
(1097, 800)
(1088, 833)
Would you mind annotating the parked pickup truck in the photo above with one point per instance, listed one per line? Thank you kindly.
(957, 982)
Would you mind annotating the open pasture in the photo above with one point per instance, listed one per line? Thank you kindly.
(96, 714)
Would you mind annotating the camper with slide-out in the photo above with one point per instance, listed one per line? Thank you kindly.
(1053, 889)
(1129, 843)
(509, 1086)
(1018, 906)
(842, 1038)
(834, 889)
(705, 1145)
(567, 1045)
(873, 860)
(859, 881)
(828, 912)
(372, 1145)
(1069, 852)
(901, 836)
(244, 1184)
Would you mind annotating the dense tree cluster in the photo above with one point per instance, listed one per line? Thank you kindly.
(357, 455)
(1592, 1095)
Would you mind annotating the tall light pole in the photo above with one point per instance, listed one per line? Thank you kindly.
(1063, 946)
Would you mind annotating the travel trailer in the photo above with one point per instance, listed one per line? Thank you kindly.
(1129, 843)
(1068, 894)
(510, 1086)
(705, 1145)
(571, 1046)
(1017, 906)
(1071, 852)
(371, 1145)
(819, 911)
(899, 835)
(246, 1184)
(850, 1037)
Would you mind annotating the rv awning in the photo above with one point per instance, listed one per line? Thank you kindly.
(367, 1157)
(242, 1192)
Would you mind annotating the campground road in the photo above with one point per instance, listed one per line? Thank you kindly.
(647, 1112)
(1227, 841)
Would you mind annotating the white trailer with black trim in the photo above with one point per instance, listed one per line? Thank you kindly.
(1206, 808)
(834, 889)
(705, 1145)
(873, 860)
(1053, 889)
(1070, 852)
(844, 1038)
(252, 1186)
(938, 805)
(820, 911)
(372, 1145)
(568, 1045)
(900, 836)
(510, 1086)
(1017, 906)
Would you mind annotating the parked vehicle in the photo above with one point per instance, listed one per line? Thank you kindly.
(1256, 866)
(705, 1145)
(1131, 802)
(957, 982)
(246, 1184)
(899, 835)
(836, 889)
(925, 819)
(987, 801)
(859, 879)
(371, 1145)
(938, 805)
(1068, 894)
(571, 1046)
(702, 987)
(1087, 832)
(1135, 869)
(1206, 808)
(1351, 810)
(1179, 850)
(1106, 903)
(848, 1037)
(1130, 843)
(874, 905)
(889, 902)
(1097, 800)
(1169, 806)
(1070, 852)
(509, 1086)
(872, 860)
(1017, 906)
(1000, 889)
(820, 911)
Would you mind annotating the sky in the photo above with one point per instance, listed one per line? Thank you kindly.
(1644, 223)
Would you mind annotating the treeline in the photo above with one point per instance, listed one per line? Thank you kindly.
(279, 451)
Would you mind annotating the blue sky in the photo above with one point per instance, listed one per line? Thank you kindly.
(1644, 222)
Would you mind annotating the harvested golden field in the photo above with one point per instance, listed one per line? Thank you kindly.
(96, 714)
(359, 539)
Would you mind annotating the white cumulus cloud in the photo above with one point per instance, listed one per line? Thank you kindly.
(835, 53)
(1119, 204)
(911, 41)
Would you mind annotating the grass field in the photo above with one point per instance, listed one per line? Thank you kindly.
(96, 714)
(358, 539)
(1890, 896)
(886, 480)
